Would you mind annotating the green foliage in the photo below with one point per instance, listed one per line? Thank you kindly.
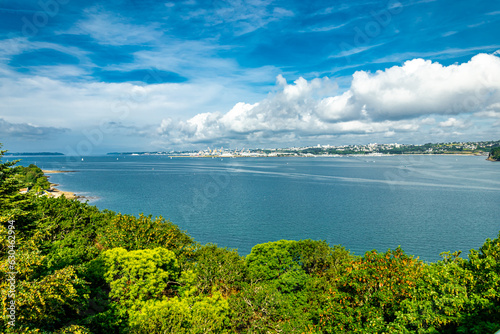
(218, 268)
(12, 203)
(484, 264)
(261, 308)
(494, 154)
(83, 270)
(286, 285)
(187, 315)
(367, 294)
(30, 175)
(73, 329)
(41, 184)
(272, 260)
(143, 232)
(441, 295)
(55, 297)
(70, 230)
(290, 262)
(137, 276)
(145, 286)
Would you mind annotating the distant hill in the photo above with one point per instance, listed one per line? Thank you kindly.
(33, 153)
(494, 154)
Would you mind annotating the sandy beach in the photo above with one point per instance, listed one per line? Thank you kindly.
(54, 192)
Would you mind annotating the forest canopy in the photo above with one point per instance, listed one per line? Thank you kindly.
(494, 154)
(78, 269)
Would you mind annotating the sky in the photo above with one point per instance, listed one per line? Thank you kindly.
(91, 77)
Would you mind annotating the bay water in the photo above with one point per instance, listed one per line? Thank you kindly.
(426, 204)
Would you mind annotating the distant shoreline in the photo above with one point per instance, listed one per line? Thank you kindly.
(316, 156)
(446, 148)
(27, 154)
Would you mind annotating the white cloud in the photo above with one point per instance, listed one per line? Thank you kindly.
(493, 112)
(326, 28)
(421, 87)
(347, 51)
(415, 99)
(111, 29)
(397, 100)
(428, 121)
(17, 45)
(242, 17)
(449, 33)
(453, 123)
(52, 102)
(441, 54)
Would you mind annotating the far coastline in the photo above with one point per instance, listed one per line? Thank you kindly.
(482, 148)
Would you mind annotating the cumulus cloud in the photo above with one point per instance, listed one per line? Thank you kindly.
(422, 87)
(398, 99)
(453, 123)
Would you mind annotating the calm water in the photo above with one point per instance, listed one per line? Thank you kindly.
(426, 204)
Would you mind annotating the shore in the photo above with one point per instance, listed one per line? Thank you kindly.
(47, 171)
(322, 155)
(54, 192)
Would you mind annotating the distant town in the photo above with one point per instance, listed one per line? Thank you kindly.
(374, 149)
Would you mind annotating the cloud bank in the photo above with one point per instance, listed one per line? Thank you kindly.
(398, 99)
(29, 131)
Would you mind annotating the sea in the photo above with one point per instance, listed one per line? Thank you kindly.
(427, 204)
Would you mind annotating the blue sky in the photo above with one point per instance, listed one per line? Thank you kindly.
(88, 77)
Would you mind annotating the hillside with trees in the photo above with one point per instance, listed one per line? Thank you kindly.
(79, 269)
(494, 154)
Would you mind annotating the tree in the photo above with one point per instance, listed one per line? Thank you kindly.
(193, 315)
(218, 269)
(494, 154)
(484, 311)
(137, 276)
(367, 294)
(144, 232)
(11, 201)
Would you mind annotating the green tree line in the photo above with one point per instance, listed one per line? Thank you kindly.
(494, 154)
(84, 270)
